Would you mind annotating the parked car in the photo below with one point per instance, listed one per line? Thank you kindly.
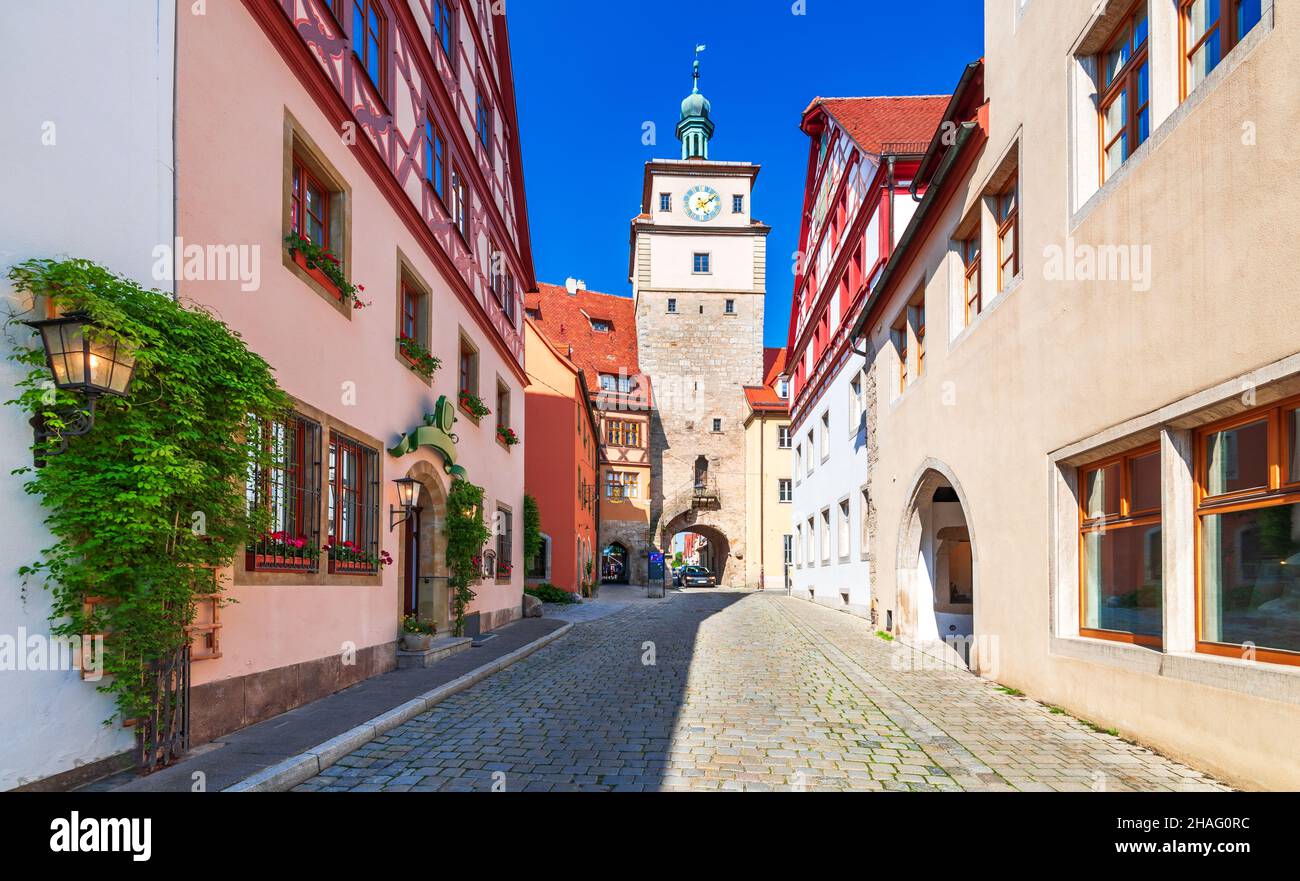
(697, 576)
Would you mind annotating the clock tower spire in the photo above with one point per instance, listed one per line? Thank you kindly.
(695, 126)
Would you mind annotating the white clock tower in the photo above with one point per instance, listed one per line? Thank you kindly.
(698, 270)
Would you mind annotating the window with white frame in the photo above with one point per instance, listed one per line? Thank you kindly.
(784, 490)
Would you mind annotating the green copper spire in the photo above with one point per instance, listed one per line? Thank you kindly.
(695, 127)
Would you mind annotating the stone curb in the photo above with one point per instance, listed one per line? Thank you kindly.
(287, 774)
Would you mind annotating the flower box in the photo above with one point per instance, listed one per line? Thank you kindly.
(254, 562)
(317, 275)
(351, 567)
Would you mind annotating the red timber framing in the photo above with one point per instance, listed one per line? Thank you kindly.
(328, 69)
(835, 351)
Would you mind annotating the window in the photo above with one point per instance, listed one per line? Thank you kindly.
(700, 264)
(785, 492)
(505, 541)
(1006, 214)
(798, 545)
(783, 388)
(1120, 541)
(288, 490)
(855, 402)
(1248, 524)
(787, 546)
(442, 27)
(918, 317)
(783, 437)
(412, 320)
(459, 205)
(482, 117)
(600, 325)
(309, 206)
(826, 536)
(798, 460)
(717, 425)
(826, 435)
(738, 204)
(1210, 29)
(730, 307)
(970, 258)
(842, 536)
(353, 506)
(435, 158)
(1125, 102)
(503, 405)
(468, 368)
(899, 333)
(369, 37)
(621, 485)
(619, 433)
(811, 554)
(672, 304)
(665, 201)
(810, 451)
(610, 382)
(863, 515)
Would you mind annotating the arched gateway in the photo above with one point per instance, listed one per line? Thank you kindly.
(938, 572)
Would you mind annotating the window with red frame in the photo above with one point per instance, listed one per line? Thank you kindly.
(369, 40)
(309, 206)
(444, 34)
(1126, 92)
(285, 490)
(459, 206)
(435, 158)
(412, 316)
(353, 519)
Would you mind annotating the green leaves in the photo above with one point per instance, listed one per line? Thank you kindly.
(466, 536)
(121, 500)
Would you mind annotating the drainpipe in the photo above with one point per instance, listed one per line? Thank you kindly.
(762, 503)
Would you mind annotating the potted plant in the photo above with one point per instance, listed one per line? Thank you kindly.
(507, 436)
(321, 264)
(346, 556)
(473, 405)
(280, 550)
(422, 362)
(417, 636)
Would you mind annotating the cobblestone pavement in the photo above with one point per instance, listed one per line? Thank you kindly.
(735, 690)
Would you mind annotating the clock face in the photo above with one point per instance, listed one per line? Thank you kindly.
(702, 203)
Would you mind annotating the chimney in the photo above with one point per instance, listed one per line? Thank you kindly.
(573, 285)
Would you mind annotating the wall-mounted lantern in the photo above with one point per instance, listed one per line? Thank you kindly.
(407, 487)
(83, 362)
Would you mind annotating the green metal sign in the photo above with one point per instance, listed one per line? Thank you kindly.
(436, 434)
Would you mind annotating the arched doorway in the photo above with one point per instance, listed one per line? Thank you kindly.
(615, 564)
(938, 572)
(425, 592)
(701, 545)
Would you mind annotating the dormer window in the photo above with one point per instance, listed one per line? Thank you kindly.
(783, 388)
(600, 325)
(611, 382)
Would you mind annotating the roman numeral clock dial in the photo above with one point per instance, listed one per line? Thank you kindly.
(702, 203)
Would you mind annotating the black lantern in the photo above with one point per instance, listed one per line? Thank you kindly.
(407, 487)
(83, 362)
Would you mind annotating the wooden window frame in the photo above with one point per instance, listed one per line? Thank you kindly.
(1125, 519)
(361, 43)
(300, 481)
(1127, 82)
(445, 40)
(505, 543)
(901, 346)
(303, 159)
(483, 128)
(1225, 24)
(919, 318)
(366, 496)
(435, 158)
(971, 253)
(467, 379)
(1007, 215)
(1279, 491)
(302, 179)
(459, 208)
(502, 405)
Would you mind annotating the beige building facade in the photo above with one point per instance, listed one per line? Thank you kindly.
(769, 478)
(1085, 385)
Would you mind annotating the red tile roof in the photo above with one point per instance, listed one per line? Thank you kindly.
(763, 398)
(565, 320)
(875, 122)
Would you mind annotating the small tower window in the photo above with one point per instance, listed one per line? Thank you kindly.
(731, 307)
(737, 204)
(672, 305)
(665, 201)
(701, 264)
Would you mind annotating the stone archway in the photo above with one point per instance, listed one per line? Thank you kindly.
(720, 557)
(938, 572)
(423, 561)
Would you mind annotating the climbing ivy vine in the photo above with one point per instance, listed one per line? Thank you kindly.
(149, 503)
(466, 536)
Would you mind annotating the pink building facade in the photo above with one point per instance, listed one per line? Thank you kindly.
(384, 134)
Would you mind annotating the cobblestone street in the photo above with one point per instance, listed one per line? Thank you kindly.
(725, 690)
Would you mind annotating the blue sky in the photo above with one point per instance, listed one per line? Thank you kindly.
(589, 74)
